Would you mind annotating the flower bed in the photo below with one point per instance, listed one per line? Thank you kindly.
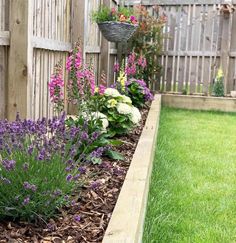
(86, 219)
(60, 177)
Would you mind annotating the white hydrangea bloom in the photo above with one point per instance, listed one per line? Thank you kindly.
(135, 115)
(103, 117)
(72, 117)
(123, 108)
(126, 99)
(112, 92)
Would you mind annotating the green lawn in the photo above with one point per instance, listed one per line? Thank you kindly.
(193, 189)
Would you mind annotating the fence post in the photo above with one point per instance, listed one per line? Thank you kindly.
(225, 48)
(105, 56)
(20, 59)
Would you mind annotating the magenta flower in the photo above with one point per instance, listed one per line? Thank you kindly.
(131, 58)
(56, 88)
(101, 89)
(116, 67)
(142, 62)
(133, 19)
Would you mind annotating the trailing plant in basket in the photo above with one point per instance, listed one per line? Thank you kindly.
(122, 14)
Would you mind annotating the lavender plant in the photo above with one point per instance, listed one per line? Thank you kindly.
(38, 171)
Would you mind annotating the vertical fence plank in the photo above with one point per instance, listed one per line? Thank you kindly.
(18, 59)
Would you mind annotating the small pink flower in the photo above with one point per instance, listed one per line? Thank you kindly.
(133, 19)
(131, 58)
(142, 62)
(116, 67)
(101, 89)
(113, 11)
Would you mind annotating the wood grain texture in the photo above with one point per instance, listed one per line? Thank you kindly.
(199, 102)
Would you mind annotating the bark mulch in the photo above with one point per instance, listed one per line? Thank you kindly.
(88, 216)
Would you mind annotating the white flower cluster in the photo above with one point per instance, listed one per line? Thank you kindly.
(126, 109)
(123, 108)
(103, 117)
(135, 115)
(96, 115)
(112, 92)
(126, 99)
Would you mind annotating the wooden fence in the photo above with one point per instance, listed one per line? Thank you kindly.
(199, 38)
(34, 36)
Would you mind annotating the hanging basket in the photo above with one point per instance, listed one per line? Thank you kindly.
(117, 31)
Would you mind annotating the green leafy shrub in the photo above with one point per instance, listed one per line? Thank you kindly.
(138, 92)
(218, 87)
(147, 42)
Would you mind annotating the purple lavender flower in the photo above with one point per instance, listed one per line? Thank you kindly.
(69, 177)
(98, 152)
(30, 150)
(26, 201)
(51, 227)
(28, 186)
(84, 136)
(77, 218)
(57, 192)
(9, 164)
(82, 170)
(95, 184)
(76, 177)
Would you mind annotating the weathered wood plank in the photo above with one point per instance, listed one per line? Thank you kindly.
(50, 44)
(4, 38)
(172, 2)
(18, 59)
(3, 81)
(126, 224)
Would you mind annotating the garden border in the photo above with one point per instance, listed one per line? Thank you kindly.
(127, 221)
(193, 102)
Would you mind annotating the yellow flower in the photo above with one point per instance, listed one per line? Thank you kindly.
(122, 80)
(220, 73)
(111, 103)
(96, 90)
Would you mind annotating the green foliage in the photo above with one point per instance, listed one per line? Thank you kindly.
(138, 92)
(218, 87)
(99, 140)
(104, 13)
(147, 42)
(137, 97)
(184, 92)
(114, 155)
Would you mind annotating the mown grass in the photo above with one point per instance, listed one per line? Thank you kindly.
(192, 196)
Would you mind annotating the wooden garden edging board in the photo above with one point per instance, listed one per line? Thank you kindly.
(126, 224)
(199, 102)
